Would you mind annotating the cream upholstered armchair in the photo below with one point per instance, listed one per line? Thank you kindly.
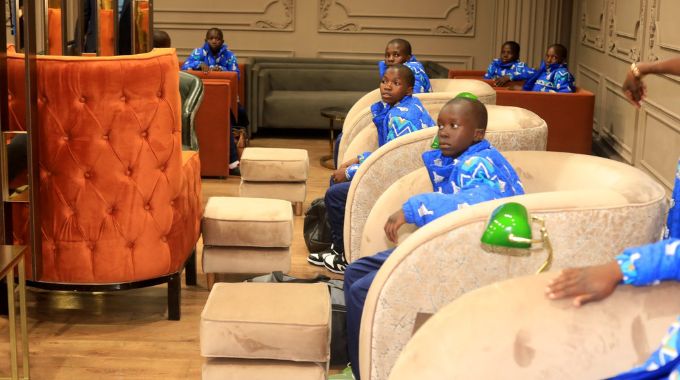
(359, 116)
(593, 208)
(514, 326)
(508, 128)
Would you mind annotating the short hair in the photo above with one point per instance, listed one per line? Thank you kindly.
(514, 47)
(405, 73)
(560, 50)
(478, 109)
(217, 30)
(161, 39)
(402, 42)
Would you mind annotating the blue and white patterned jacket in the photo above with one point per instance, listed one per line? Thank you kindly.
(422, 83)
(552, 78)
(408, 115)
(479, 174)
(649, 265)
(514, 70)
(225, 59)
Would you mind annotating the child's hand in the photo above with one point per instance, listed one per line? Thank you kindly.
(339, 175)
(204, 67)
(216, 68)
(502, 81)
(395, 221)
(585, 284)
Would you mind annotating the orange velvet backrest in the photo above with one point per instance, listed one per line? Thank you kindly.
(466, 74)
(111, 180)
(227, 76)
(213, 128)
(54, 31)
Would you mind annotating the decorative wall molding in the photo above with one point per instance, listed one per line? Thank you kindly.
(610, 130)
(589, 73)
(654, 155)
(272, 15)
(592, 35)
(461, 62)
(662, 43)
(621, 44)
(457, 19)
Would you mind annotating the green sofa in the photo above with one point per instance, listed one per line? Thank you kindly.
(290, 92)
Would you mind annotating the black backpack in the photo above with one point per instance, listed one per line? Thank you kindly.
(316, 230)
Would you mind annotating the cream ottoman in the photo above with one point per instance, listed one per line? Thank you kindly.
(246, 235)
(275, 173)
(266, 331)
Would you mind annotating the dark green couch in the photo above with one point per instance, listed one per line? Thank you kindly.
(290, 92)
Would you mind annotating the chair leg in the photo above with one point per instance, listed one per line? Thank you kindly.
(4, 303)
(174, 297)
(297, 207)
(190, 269)
(210, 277)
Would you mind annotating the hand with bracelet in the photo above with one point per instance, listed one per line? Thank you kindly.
(633, 86)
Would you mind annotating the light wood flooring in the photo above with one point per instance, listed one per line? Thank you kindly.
(126, 335)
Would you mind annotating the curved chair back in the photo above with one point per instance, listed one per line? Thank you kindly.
(191, 93)
(359, 116)
(593, 208)
(508, 129)
(117, 199)
(514, 326)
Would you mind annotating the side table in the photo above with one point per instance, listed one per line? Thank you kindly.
(11, 257)
(333, 114)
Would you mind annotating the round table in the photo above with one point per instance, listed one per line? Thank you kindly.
(333, 114)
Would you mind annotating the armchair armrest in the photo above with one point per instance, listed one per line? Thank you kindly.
(513, 325)
(213, 128)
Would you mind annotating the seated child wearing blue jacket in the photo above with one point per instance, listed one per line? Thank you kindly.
(397, 114)
(464, 171)
(553, 75)
(639, 266)
(215, 56)
(398, 51)
(508, 67)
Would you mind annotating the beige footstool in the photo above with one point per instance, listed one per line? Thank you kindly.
(246, 235)
(266, 331)
(275, 173)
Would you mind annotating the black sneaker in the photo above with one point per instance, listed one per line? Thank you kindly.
(317, 258)
(335, 263)
(235, 172)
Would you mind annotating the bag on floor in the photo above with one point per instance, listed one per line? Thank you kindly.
(316, 229)
(339, 355)
(241, 138)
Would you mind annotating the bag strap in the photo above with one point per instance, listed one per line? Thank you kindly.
(319, 278)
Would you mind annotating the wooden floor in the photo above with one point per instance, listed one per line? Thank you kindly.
(126, 335)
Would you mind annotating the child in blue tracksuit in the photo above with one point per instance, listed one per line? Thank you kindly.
(638, 266)
(398, 51)
(214, 55)
(466, 170)
(397, 114)
(553, 75)
(508, 67)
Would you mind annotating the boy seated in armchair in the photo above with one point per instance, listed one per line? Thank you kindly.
(398, 51)
(553, 75)
(396, 115)
(465, 170)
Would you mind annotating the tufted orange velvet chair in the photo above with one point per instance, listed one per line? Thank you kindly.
(120, 203)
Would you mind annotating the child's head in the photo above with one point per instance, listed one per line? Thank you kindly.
(161, 39)
(215, 39)
(397, 51)
(396, 83)
(509, 51)
(556, 53)
(462, 123)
